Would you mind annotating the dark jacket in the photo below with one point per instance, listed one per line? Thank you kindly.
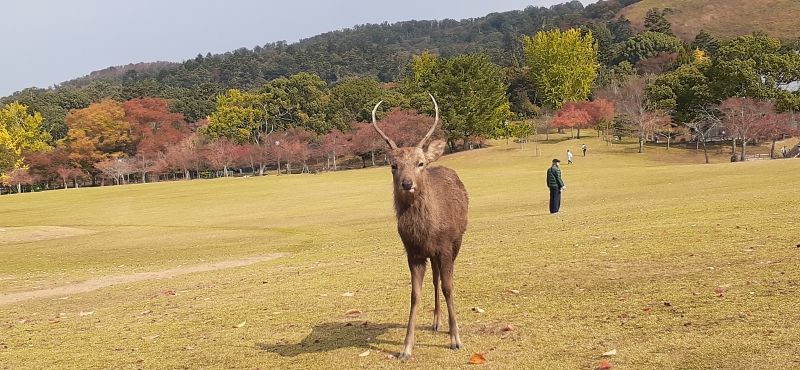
(554, 178)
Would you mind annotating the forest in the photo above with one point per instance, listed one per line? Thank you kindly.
(305, 107)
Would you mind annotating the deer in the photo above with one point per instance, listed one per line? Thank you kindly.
(431, 209)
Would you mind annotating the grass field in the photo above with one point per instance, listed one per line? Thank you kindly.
(672, 264)
(724, 19)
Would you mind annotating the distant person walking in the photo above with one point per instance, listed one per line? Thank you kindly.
(569, 157)
(583, 148)
(556, 185)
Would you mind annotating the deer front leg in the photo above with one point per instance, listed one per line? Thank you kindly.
(447, 265)
(436, 288)
(417, 267)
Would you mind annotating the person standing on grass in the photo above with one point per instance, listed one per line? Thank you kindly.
(583, 147)
(556, 185)
(569, 157)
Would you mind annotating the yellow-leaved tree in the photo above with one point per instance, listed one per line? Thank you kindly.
(563, 65)
(20, 133)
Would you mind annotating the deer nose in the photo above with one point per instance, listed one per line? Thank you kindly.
(407, 184)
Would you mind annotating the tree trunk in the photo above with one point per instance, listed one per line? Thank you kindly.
(733, 148)
(744, 148)
(372, 153)
(19, 188)
(705, 150)
(668, 140)
(579, 132)
(772, 150)
(641, 145)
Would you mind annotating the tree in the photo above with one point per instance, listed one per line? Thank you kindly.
(185, 155)
(742, 117)
(240, 116)
(684, 91)
(647, 45)
(97, 133)
(571, 115)
(773, 127)
(221, 154)
(656, 21)
(753, 66)
(631, 101)
(366, 141)
(352, 99)
(563, 65)
(117, 169)
(336, 144)
(297, 100)
(20, 133)
(19, 177)
(706, 42)
(703, 125)
(154, 130)
(469, 89)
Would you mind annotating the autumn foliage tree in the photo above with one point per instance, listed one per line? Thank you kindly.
(571, 116)
(97, 133)
(744, 118)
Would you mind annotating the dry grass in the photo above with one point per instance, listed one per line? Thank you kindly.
(724, 19)
(674, 265)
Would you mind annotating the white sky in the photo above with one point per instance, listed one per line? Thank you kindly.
(45, 42)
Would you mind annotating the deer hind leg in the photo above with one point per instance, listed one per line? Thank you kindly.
(417, 267)
(447, 264)
(437, 312)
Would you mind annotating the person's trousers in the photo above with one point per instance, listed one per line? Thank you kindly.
(555, 199)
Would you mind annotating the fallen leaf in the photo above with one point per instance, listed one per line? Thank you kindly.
(170, 293)
(514, 291)
(86, 313)
(353, 312)
(364, 354)
(477, 359)
(604, 365)
(150, 337)
(390, 356)
(54, 321)
(612, 352)
(347, 294)
(508, 327)
(478, 310)
(241, 324)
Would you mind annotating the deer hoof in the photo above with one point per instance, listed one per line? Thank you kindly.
(456, 346)
(404, 356)
(436, 326)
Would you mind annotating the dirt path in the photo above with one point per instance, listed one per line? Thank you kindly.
(106, 281)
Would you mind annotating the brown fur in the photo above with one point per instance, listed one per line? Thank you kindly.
(431, 221)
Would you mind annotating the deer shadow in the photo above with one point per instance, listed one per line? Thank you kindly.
(331, 336)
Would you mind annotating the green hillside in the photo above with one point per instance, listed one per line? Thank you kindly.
(724, 18)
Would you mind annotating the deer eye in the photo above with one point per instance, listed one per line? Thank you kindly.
(420, 164)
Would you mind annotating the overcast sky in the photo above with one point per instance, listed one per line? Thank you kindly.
(45, 42)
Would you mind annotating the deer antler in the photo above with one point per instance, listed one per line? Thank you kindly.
(435, 121)
(374, 124)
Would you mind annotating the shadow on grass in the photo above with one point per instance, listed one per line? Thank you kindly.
(330, 336)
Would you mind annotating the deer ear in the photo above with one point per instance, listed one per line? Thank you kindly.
(435, 150)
